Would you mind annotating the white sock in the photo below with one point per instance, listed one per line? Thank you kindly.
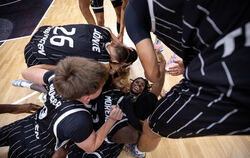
(26, 84)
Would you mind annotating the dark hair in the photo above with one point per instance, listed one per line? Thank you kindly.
(132, 56)
(147, 85)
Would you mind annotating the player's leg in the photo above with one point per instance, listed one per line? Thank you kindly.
(117, 4)
(29, 84)
(97, 6)
(100, 18)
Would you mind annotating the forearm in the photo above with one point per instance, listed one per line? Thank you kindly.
(7, 108)
(100, 135)
(148, 140)
(157, 86)
(148, 59)
(103, 132)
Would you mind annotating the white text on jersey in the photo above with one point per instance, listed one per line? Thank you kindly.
(107, 105)
(53, 99)
(95, 41)
(43, 40)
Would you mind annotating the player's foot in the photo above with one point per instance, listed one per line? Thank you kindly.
(135, 152)
(21, 83)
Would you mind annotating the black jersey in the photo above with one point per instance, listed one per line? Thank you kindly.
(100, 113)
(57, 122)
(51, 44)
(101, 110)
(212, 37)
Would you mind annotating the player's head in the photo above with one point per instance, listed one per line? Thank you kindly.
(119, 54)
(76, 77)
(139, 85)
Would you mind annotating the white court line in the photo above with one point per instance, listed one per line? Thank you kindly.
(9, 3)
(51, 4)
(35, 27)
(24, 98)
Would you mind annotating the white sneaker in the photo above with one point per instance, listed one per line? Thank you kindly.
(135, 152)
(21, 83)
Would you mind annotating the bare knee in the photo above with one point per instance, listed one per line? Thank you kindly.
(126, 135)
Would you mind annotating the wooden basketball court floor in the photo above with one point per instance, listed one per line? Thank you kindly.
(64, 12)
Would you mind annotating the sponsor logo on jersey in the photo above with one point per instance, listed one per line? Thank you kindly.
(52, 97)
(43, 113)
(107, 105)
(43, 40)
(96, 41)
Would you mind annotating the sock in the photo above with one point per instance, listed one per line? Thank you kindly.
(26, 84)
(118, 27)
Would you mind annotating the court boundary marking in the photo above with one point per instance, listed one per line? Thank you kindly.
(35, 27)
(24, 98)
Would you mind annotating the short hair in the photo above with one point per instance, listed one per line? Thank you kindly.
(77, 76)
(121, 53)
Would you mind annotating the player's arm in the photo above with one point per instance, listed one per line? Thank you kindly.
(148, 140)
(84, 7)
(122, 26)
(18, 108)
(113, 37)
(157, 86)
(148, 59)
(95, 139)
(35, 73)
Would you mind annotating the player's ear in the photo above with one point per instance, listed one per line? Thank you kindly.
(85, 99)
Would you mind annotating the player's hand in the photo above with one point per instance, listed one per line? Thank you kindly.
(26, 108)
(115, 113)
(177, 68)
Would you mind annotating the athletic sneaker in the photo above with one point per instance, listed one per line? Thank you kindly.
(21, 83)
(135, 152)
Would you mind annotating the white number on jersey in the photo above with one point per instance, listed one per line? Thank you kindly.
(60, 40)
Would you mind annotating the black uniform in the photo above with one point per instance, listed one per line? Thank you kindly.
(213, 39)
(51, 44)
(97, 5)
(42, 133)
(100, 113)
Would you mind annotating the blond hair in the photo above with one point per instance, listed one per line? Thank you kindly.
(77, 76)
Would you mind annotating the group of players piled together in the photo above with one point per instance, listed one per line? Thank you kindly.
(88, 112)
